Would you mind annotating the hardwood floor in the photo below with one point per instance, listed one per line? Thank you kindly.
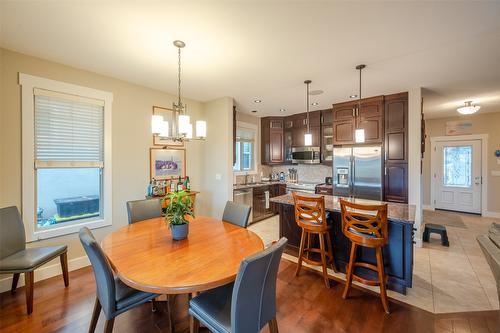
(304, 305)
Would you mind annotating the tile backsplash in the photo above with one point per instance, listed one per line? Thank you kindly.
(306, 173)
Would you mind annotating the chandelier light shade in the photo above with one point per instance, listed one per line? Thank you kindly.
(201, 129)
(308, 139)
(184, 124)
(181, 128)
(156, 124)
(468, 108)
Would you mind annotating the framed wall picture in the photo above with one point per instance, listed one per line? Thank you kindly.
(168, 115)
(167, 163)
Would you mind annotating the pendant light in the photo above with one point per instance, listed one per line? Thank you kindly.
(181, 128)
(468, 108)
(359, 133)
(308, 135)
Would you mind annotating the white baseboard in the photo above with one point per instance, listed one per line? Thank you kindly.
(492, 214)
(46, 272)
(427, 207)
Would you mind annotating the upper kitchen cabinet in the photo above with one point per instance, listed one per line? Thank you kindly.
(272, 141)
(300, 128)
(370, 117)
(396, 131)
(349, 116)
(344, 124)
(327, 137)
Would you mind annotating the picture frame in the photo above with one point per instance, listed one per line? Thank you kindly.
(167, 163)
(168, 115)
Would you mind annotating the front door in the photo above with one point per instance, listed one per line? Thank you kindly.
(458, 176)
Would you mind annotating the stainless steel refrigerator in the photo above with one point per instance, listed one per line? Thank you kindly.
(357, 172)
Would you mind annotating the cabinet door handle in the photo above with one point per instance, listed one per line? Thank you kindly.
(353, 112)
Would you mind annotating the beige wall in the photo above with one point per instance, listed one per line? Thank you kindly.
(131, 136)
(487, 123)
(217, 164)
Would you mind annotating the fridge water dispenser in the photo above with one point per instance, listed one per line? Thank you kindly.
(343, 177)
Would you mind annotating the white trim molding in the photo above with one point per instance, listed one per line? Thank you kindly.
(484, 165)
(428, 207)
(495, 215)
(46, 272)
(29, 83)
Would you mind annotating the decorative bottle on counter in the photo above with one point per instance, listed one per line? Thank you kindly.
(187, 186)
(179, 185)
(173, 185)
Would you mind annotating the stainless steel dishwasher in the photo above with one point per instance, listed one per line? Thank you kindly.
(244, 196)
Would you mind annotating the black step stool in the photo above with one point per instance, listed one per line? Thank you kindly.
(437, 229)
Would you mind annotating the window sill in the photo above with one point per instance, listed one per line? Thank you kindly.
(242, 173)
(67, 229)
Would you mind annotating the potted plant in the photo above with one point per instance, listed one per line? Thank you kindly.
(178, 208)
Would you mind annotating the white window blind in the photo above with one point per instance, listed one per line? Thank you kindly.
(69, 130)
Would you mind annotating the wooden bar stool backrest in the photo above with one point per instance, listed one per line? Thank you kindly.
(310, 212)
(362, 227)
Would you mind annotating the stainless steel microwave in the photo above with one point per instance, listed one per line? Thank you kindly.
(306, 155)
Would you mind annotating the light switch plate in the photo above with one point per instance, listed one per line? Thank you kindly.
(218, 176)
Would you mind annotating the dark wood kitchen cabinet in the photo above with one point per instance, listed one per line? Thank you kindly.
(396, 148)
(272, 140)
(261, 206)
(300, 128)
(349, 116)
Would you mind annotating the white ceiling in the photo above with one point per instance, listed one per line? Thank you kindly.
(266, 49)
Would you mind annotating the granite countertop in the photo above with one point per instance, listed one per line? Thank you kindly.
(259, 184)
(396, 211)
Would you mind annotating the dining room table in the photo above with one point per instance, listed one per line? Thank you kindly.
(145, 257)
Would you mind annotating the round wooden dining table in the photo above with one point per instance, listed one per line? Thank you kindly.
(145, 257)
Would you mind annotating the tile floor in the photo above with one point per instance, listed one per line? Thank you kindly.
(445, 280)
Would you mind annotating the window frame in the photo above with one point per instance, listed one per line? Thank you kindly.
(253, 128)
(28, 84)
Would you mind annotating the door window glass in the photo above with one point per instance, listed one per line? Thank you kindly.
(457, 166)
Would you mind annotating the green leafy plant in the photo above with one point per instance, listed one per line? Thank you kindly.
(178, 208)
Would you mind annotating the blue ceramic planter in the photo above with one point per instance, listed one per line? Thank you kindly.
(179, 231)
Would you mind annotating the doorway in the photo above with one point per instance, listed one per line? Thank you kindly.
(457, 174)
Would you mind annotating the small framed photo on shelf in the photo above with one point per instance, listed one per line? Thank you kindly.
(168, 115)
(167, 163)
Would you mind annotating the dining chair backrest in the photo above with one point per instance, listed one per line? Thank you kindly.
(104, 278)
(364, 224)
(310, 211)
(236, 213)
(254, 293)
(139, 210)
(12, 236)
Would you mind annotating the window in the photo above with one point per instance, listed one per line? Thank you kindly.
(66, 168)
(457, 166)
(245, 148)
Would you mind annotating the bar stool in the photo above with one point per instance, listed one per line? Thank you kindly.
(366, 230)
(310, 217)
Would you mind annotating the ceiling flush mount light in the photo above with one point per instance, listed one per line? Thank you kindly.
(359, 134)
(314, 103)
(257, 101)
(353, 96)
(468, 108)
(181, 128)
(282, 110)
(308, 135)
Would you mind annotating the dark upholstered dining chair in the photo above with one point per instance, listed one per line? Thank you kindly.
(236, 213)
(246, 305)
(15, 258)
(113, 296)
(139, 210)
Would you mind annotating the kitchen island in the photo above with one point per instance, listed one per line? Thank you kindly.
(397, 254)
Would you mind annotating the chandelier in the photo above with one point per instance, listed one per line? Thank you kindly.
(180, 129)
(468, 108)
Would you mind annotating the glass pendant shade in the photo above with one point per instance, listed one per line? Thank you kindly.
(201, 129)
(184, 123)
(308, 139)
(156, 124)
(359, 135)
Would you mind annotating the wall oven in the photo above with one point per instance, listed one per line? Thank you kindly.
(306, 155)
